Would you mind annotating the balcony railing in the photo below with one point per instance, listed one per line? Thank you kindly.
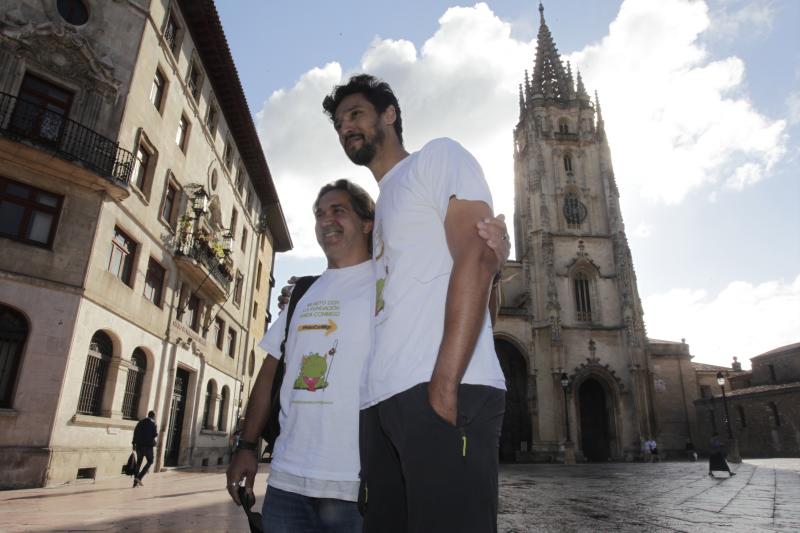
(21, 119)
(201, 253)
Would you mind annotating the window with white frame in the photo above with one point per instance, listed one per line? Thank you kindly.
(154, 282)
(158, 90)
(28, 214)
(182, 134)
(122, 256)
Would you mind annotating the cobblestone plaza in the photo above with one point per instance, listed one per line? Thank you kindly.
(607, 497)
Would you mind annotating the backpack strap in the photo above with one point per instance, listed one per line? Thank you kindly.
(300, 287)
(272, 428)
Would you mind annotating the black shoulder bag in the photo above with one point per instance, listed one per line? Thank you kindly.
(273, 428)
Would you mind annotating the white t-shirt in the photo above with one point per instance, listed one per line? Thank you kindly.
(412, 267)
(329, 339)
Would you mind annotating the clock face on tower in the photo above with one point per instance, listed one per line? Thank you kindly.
(574, 210)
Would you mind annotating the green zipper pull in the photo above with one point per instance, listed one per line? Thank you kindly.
(463, 446)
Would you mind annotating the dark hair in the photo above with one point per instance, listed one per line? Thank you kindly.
(375, 90)
(360, 200)
(151, 414)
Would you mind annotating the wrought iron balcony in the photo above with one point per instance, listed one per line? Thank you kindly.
(24, 120)
(200, 253)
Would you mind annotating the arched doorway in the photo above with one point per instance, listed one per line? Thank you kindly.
(594, 421)
(517, 434)
(13, 334)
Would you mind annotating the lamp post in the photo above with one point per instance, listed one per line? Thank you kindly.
(200, 202)
(569, 450)
(565, 386)
(734, 451)
(721, 383)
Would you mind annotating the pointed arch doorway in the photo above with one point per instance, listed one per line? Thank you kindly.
(595, 421)
(517, 434)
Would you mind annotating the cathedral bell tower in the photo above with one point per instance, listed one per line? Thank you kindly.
(576, 282)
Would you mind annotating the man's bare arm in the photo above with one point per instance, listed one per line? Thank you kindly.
(495, 233)
(244, 464)
(474, 266)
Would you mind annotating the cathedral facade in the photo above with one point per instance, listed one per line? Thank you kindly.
(571, 335)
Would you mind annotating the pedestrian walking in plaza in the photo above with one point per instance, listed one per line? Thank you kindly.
(716, 461)
(691, 453)
(652, 450)
(144, 440)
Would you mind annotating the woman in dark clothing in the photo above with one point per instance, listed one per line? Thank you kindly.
(716, 461)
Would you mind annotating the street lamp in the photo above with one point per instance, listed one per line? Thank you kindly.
(200, 202)
(721, 383)
(227, 242)
(565, 387)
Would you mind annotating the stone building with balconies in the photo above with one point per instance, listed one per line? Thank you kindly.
(138, 223)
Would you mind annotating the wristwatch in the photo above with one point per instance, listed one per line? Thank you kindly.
(246, 445)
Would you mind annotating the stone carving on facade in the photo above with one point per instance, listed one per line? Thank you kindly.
(555, 328)
(59, 48)
(594, 366)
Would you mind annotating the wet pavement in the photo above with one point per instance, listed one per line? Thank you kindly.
(763, 496)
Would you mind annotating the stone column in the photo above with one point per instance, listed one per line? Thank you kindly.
(114, 393)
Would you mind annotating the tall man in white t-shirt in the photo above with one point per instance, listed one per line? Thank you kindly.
(433, 397)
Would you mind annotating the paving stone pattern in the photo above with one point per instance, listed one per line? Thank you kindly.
(764, 496)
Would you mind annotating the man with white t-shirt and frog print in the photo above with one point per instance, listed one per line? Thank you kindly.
(314, 481)
(433, 397)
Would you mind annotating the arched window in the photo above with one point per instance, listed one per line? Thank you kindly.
(101, 348)
(583, 303)
(251, 363)
(568, 164)
(223, 408)
(563, 126)
(574, 211)
(207, 413)
(133, 386)
(742, 419)
(776, 418)
(13, 333)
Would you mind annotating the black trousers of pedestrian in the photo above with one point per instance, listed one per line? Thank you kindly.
(422, 474)
(143, 452)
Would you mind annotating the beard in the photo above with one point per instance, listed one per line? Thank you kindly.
(366, 153)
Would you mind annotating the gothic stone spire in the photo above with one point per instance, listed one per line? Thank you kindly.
(549, 77)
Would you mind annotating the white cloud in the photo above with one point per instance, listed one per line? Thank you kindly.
(643, 230)
(743, 320)
(677, 119)
(745, 175)
(737, 19)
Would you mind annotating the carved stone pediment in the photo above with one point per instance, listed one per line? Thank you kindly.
(61, 49)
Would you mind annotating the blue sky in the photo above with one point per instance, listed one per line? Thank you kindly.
(702, 106)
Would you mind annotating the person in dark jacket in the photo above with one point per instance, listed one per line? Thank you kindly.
(144, 440)
(716, 461)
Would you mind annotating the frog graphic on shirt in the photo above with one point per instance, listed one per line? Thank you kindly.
(314, 370)
(312, 373)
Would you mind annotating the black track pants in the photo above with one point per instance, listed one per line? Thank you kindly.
(421, 474)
